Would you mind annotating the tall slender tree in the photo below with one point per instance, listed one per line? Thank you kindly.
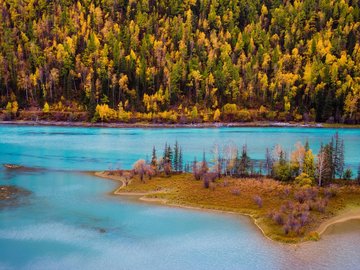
(153, 157)
(176, 157)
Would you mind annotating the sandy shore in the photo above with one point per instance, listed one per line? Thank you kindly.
(346, 215)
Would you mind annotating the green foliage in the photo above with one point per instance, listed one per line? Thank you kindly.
(282, 171)
(348, 174)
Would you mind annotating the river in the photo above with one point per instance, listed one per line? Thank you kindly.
(70, 221)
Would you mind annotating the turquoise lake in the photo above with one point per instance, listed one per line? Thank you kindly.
(71, 222)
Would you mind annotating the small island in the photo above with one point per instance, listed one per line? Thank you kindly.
(291, 199)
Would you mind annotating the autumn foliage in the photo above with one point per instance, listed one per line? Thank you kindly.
(218, 60)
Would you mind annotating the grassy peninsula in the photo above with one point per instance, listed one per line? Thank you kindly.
(266, 200)
(292, 197)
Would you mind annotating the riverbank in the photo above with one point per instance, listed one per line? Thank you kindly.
(157, 125)
(175, 125)
(237, 197)
(346, 215)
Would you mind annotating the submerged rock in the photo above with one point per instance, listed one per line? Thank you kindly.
(10, 195)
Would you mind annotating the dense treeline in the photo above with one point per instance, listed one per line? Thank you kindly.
(293, 60)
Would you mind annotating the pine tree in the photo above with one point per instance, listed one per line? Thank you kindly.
(307, 146)
(166, 154)
(244, 161)
(169, 155)
(153, 157)
(176, 157)
(180, 165)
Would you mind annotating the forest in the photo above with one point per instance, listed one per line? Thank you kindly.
(181, 61)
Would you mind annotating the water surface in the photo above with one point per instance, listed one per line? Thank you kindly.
(71, 222)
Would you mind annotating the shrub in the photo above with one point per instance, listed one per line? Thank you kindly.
(217, 115)
(348, 174)
(14, 107)
(8, 107)
(298, 117)
(235, 192)
(194, 113)
(230, 111)
(211, 177)
(258, 201)
(46, 108)
(281, 171)
(244, 115)
(271, 115)
(206, 183)
(300, 196)
(104, 113)
(330, 191)
(304, 180)
(314, 236)
(167, 168)
(319, 205)
(278, 218)
(263, 111)
(287, 191)
(312, 193)
(304, 217)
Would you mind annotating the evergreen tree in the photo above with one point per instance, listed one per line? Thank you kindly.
(169, 155)
(166, 153)
(245, 161)
(153, 157)
(176, 157)
(180, 165)
(307, 146)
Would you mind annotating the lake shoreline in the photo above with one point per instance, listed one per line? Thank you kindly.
(343, 216)
(167, 125)
(142, 197)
